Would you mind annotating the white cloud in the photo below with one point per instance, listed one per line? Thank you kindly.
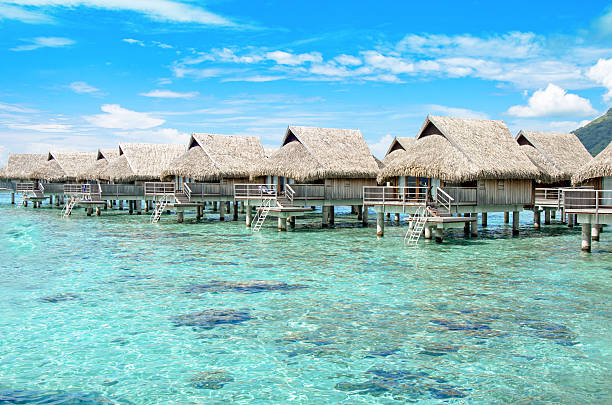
(380, 147)
(567, 126)
(392, 64)
(8, 12)
(133, 41)
(553, 102)
(121, 118)
(83, 88)
(604, 23)
(255, 79)
(180, 72)
(169, 94)
(348, 60)
(44, 42)
(162, 45)
(54, 128)
(290, 59)
(14, 108)
(513, 45)
(457, 112)
(601, 73)
(159, 10)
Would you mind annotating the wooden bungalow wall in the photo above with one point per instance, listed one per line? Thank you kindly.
(505, 192)
(346, 189)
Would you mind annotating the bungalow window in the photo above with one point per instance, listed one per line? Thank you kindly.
(500, 185)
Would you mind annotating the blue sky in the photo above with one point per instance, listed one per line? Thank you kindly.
(87, 74)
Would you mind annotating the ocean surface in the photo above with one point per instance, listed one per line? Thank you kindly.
(116, 310)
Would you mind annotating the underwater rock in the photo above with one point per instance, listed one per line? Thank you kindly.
(364, 388)
(446, 393)
(53, 397)
(60, 297)
(212, 380)
(247, 287)
(438, 350)
(381, 353)
(121, 341)
(560, 334)
(450, 325)
(210, 318)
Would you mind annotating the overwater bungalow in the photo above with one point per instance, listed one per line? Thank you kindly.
(323, 167)
(17, 171)
(134, 176)
(211, 166)
(455, 167)
(103, 158)
(557, 156)
(593, 207)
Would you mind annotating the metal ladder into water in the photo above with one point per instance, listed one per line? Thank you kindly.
(262, 213)
(72, 201)
(418, 221)
(159, 210)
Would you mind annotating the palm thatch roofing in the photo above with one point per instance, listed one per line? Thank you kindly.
(460, 150)
(599, 166)
(310, 153)
(103, 158)
(20, 165)
(556, 155)
(140, 162)
(63, 166)
(215, 157)
(397, 148)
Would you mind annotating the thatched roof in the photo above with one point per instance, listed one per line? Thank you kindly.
(462, 149)
(310, 153)
(215, 157)
(557, 155)
(63, 166)
(140, 161)
(599, 166)
(103, 158)
(397, 148)
(20, 165)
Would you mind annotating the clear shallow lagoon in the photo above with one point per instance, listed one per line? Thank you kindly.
(118, 309)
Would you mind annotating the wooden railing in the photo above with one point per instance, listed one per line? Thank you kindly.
(307, 192)
(115, 191)
(255, 191)
(77, 189)
(54, 188)
(7, 185)
(210, 189)
(462, 195)
(591, 201)
(24, 187)
(159, 189)
(389, 195)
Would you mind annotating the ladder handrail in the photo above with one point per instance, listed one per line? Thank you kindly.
(187, 191)
(289, 193)
(446, 200)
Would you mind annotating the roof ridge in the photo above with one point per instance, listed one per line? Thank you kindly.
(303, 144)
(452, 141)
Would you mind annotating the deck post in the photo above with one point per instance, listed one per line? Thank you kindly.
(364, 216)
(515, 223)
(241, 207)
(138, 207)
(25, 203)
(106, 205)
(57, 201)
(89, 211)
(249, 216)
(474, 225)
(466, 226)
(546, 216)
(131, 207)
(282, 224)
(484, 219)
(380, 224)
(397, 218)
(570, 220)
(235, 218)
(325, 216)
(388, 216)
(332, 215)
(427, 234)
(13, 198)
(359, 212)
(97, 211)
(221, 210)
(146, 207)
(439, 235)
(180, 217)
(292, 222)
(586, 237)
(120, 205)
(595, 232)
(215, 206)
(506, 217)
(536, 218)
(50, 200)
(553, 214)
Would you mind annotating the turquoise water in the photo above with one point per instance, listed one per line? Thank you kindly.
(116, 309)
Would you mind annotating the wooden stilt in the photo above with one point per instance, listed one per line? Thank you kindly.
(282, 224)
(380, 224)
(359, 212)
(397, 218)
(249, 216)
(515, 223)
(474, 226)
(506, 217)
(332, 215)
(466, 226)
(13, 198)
(485, 218)
(595, 232)
(221, 211)
(180, 217)
(89, 211)
(98, 211)
(586, 237)
(235, 217)
(570, 220)
(427, 232)
(536, 219)
(215, 203)
(292, 222)
(324, 216)
(364, 216)
(439, 235)
(546, 216)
